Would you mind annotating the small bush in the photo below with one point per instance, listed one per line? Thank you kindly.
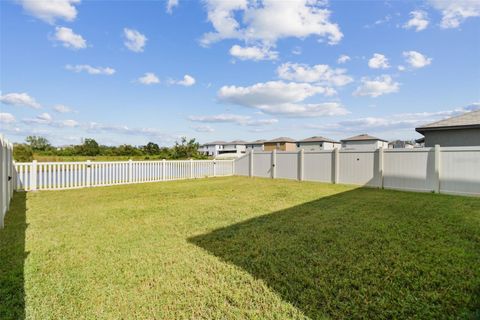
(22, 153)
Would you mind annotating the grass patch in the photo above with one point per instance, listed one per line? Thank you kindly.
(236, 248)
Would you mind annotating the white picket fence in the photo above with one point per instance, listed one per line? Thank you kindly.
(6, 177)
(69, 175)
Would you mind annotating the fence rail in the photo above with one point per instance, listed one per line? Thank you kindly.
(6, 177)
(454, 170)
(69, 175)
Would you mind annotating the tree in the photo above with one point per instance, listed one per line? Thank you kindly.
(89, 147)
(22, 153)
(186, 149)
(38, 143)
(151, 148)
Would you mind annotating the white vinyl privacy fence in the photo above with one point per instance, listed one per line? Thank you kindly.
(6, 176)
(454, 170)
(68, 175)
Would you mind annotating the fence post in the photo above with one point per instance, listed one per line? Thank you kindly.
(191, 168)
(3, 179)
(130, 171)
(380, 166)
(301, 157)
(437, 168)
(164, 162)
(33, 175)
(14, 175)
(214, 168)
(250, 166)
(274, 163)
(88, 170)
(336, 165)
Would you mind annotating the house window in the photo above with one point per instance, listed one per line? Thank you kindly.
(298, 145)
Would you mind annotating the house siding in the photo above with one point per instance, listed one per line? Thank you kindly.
(452, 138)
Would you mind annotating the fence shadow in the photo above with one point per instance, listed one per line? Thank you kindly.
(12, 260)
(361, 254)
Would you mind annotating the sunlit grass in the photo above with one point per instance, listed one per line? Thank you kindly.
(236, 248)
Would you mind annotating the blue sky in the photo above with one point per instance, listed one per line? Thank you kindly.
(139, 71)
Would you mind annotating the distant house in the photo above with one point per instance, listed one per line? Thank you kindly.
(211, 148)
(256, 145)
(317, 143)
(364, 142)
(401, 144)
(280, 144)
(233, 149)
(462, 130)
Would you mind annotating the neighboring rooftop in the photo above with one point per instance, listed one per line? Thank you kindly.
(214, 143)
(282, 139)
(363, 137)
(238, 142)
(318, 139)
(260, 141)
(467, 120)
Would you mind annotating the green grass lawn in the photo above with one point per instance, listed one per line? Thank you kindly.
(240, 248)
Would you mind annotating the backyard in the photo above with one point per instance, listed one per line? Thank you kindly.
(236, 248)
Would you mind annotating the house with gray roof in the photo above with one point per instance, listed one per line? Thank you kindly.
(256, 145)
(211, 148)
(364, 142)
(317, 143)
(280, 144)
(458, 131)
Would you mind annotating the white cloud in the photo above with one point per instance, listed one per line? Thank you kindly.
(376, 87)
(60, 108)
(378, 61)
(416, 59)
(6, 117)
(19, 99)
(278, 97)
(320, 73)
(69, 123)
(69, 39)
(253, 53)
(134, 40)
(90, 70)
(455, 12)
(269, 20)
(203, 129)
(187, 81)
(170, 5)
(149, 78)
(343, 59)
(401, 68)
(51, 10)
(43, 118)
(419, 20)
(233, 118)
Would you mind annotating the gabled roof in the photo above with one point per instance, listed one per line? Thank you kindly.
(213, 143)
(363, 137)
(260, 141)
(318, 139)
(281, 139)
(237, 142)
(466, 120)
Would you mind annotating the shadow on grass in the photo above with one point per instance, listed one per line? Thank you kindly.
(12, 259)
(364, 253)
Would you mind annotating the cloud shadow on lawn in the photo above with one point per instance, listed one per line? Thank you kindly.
(12, 260)
(364, 253)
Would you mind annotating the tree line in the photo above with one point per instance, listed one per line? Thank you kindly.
(36, 145)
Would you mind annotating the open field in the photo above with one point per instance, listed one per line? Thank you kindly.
(240, 248)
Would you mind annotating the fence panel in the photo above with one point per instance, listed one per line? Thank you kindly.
(409, 169)
(359, 167)
(6, 177)
(262, 164)
(460, 171)
(318, 166)
(242, 166)
(287, 165)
